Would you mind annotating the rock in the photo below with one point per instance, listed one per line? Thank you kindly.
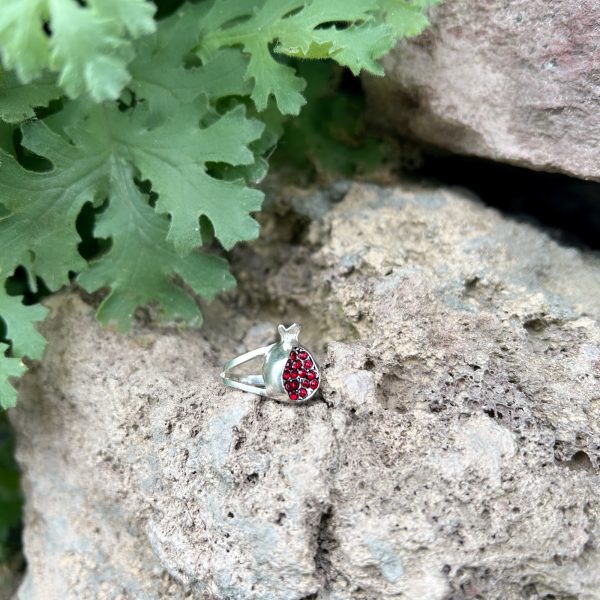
(454, 454)
(512, 81)
(10, 578)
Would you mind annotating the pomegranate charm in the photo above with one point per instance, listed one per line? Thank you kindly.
(289, 374)
(289, 369)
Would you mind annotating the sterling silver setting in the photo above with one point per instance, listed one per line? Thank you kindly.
(289, 372)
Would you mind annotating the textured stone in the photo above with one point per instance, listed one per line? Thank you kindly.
(454, 454)
(513, 81)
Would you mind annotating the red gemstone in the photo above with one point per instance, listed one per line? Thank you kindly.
(303, 355)
(286, 375)
(288, 386)
(294, 385)
(297, 364)
(293, 396)
(311, 375)
(305, 383)
(288, 364)
(292, 355)
(302, 393)
(301, 373)
(314, 384)
(293, 374)
(307, 364)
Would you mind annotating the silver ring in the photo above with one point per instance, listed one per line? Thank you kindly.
(289, 373)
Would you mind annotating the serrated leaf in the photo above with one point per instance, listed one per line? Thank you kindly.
(19, 328)
(24, 46)
(136, 16)
(39, 232)
(20, 322)
(170, 152)
(89, 45)
(9, 367)
(141, 266)
(89, 52)
(275, 79)
(338, 29)
(359, 48)
(262, 148)
(161, 75)
(173, 157)
(18, 101)
(331, 27)
(330, 133)
(407, 18)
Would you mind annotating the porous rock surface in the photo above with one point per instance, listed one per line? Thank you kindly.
(454, 454)
(515, 81)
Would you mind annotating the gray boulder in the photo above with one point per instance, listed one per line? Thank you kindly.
(454, 453)
(513, 81)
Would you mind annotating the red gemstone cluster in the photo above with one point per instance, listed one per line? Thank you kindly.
(301, 376)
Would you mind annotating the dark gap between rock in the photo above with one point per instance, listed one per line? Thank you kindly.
(570, 207)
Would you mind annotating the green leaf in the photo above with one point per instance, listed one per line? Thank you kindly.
(262, 148)
(161, 76)
(6, 144)
(20, 330)
(89, 46)
(359, 48)
(89, 53)
(24, 45)
(18, 101)
(141, 267)
(20, 321)
(330, 132)
(9, 367)
(407, 18)
(39, 232)
(345, 30)
(177, 169)
(170, 152)
(135, 16)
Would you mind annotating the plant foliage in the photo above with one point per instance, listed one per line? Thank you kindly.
(161, 127)
(330, 137)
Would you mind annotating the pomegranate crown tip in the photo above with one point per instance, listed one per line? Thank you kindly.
(289, 334)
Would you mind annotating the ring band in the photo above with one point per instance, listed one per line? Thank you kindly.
(247, 383)
(289, 372)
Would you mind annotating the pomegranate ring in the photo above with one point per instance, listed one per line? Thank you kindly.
(289, 374)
